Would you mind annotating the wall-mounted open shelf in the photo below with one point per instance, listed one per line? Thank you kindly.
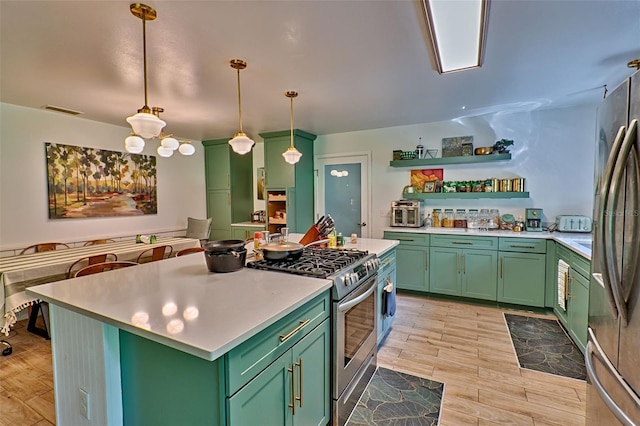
(471, 159)
(463, 195)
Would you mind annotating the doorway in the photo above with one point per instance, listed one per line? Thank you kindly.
(342, 191)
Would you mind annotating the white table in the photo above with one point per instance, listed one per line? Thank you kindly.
(19, 272)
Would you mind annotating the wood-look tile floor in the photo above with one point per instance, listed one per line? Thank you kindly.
(468, 348)
(26, 380)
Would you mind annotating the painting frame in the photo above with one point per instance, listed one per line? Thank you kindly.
(429, 186)
(84, 182)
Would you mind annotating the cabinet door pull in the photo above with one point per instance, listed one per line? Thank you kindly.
(522, 246)
(501, 267)
(466, 243)
(301, 397)
(228, 180)
(293, 389)
(426, 261)
(464, 263)
(458, 262)
(284, 338)
(566, 286)
(405, 239)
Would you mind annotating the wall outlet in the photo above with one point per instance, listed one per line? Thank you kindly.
(84, 404)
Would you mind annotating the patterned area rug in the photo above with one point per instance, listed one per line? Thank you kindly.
(542, 345)
(394, 398)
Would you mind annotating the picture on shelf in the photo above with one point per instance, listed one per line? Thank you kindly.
(430, 186)
(452, 147)
(420, 177)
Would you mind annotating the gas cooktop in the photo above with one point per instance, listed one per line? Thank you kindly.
(314, 262)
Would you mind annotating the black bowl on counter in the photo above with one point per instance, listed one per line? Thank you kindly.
(226, 261)
(223, 246)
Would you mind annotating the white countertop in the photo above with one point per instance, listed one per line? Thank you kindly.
(572, 240)
(230, 307)
(250, 224)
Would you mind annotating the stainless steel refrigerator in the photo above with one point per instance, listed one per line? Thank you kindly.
(612, 355)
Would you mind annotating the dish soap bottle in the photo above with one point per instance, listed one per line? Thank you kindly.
(333, 239)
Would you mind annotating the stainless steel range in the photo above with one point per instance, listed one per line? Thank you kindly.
(354, 306)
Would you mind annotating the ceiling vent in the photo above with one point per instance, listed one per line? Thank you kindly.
(63, 110)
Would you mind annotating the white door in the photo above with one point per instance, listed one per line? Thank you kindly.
(342, 191)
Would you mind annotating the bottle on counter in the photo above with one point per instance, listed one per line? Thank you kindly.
(340, 240)
(428, 222)
(436, 219)
(333, 239)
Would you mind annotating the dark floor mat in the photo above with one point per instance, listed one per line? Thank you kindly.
(542, 345)
(394, 398)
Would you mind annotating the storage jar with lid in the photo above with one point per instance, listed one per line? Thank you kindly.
(436, 218)
(447, 219)
(460, 219)
(473, 218)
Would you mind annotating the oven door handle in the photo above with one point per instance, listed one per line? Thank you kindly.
(350, 304)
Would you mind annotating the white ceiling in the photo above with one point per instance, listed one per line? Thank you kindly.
(356, 64)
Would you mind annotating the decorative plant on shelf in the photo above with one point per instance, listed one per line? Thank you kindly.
(502, 146)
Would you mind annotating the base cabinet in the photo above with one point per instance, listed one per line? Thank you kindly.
(463, 272)
(245, 232)
(293, 390)
(521, 278)
(412, 260)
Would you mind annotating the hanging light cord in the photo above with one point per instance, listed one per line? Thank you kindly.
(291, 98)
(239, 102)
(144, 54)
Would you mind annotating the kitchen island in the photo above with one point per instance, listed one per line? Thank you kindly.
(170, 343)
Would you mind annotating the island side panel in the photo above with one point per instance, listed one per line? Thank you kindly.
(164, 386)
(85, 356)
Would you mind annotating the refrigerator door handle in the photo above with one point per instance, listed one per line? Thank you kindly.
(600, 234)
(613, 193)
(593, 348)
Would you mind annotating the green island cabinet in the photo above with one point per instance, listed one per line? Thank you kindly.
(522, 271)
(229, 185)
(575, 314)
(464, 266)
(386, 276)
(291, 184)
(412, 260)
(280, 376)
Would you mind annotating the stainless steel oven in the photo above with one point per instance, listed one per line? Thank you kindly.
(354, 347)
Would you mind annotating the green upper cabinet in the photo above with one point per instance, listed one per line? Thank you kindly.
(296, 179)
(279, 173)
(229, 183)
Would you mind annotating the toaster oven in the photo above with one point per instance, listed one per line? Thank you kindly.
(573, 223)
(406, 213)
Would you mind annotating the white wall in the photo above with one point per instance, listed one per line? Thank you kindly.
(23, 180)
(553, 150)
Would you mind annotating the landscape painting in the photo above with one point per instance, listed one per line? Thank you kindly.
(88, 182)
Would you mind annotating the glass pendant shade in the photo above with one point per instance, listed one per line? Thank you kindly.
(292, 155)
(146, 125)
(186, 149)
(241, 143)
(170, 143)
(134, 144)
(164, 152)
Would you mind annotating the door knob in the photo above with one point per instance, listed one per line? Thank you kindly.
(362, 224)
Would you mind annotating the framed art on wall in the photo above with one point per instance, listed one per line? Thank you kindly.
(88, 182)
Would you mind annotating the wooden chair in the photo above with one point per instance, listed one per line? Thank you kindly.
(102, 267)
(155, 253)
(189, 251)
(38, 248)
(94, 242)
(90, 260)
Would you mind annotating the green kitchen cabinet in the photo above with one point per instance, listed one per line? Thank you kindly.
(578, 313)
(294, 180)
(229, 185)
(463, 272)
(412, 260)
(293, 390)
(386, 276)
(522, 278)
(245, 232)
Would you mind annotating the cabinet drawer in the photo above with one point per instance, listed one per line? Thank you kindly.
(581, 265)
(563, 252)
(249, 358)
(407, 238)
(387, 262)
(454, 241)
(524, 245)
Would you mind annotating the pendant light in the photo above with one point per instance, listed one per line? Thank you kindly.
(240, 142)
(291, 155)
(145, 124)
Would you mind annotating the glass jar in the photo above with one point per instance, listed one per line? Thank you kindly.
(483, 222)
(495, 219)
(460, 219)
(447, 219)
(436, 218)
(473, 218)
